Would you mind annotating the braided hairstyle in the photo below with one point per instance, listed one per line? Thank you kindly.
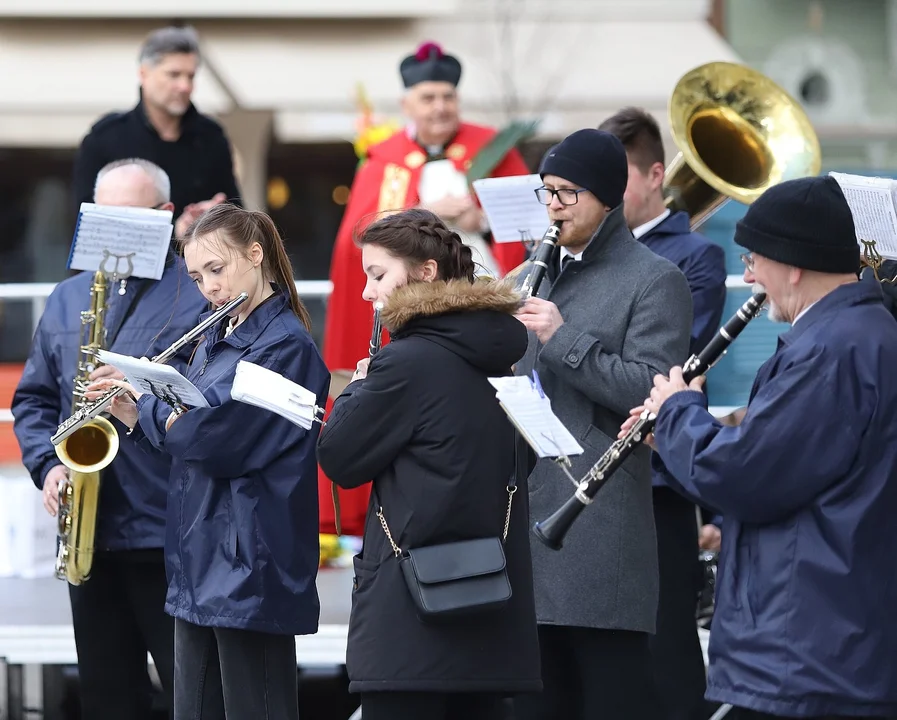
(416, 236)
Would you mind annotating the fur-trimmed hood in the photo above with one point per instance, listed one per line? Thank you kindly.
(473, 320)
(424, 299)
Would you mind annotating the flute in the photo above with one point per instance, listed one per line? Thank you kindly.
(376, 333)
(553, 530)
(90, 411)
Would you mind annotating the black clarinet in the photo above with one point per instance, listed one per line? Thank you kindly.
(376, 333)
(545, 254)
(553, 530)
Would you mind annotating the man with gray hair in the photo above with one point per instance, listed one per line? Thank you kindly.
(118, 613)
(166, 129)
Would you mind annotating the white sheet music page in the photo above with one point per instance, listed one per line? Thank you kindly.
(873, 203)
(531, 413)
(155, 378)
(511, 207)
(122, 241)
(264, 388)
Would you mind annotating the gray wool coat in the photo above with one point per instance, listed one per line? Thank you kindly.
(627, 317)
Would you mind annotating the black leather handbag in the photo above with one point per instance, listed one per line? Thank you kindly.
(466, 577)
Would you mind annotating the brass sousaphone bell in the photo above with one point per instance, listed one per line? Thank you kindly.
(738, 134)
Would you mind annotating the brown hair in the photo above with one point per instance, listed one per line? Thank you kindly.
(640, 135)
(416, 236)
(238, 229)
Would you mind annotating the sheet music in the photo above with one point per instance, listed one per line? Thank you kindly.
(124, 241)
(873, 203)
(255, 385)
(155, 378)
(511, 207)
(531, 413)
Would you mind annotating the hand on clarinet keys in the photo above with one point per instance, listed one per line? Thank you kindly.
(633, 418)
(541, 317)
(665, 387)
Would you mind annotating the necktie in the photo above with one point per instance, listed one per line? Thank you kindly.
(566, 261)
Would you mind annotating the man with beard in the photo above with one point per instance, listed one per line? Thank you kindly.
(166, 129)
(807, 482)
(610, 314)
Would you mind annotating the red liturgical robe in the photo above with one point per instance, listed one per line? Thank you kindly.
(387, 180)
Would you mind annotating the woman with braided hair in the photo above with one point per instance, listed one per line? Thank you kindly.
(422, 423)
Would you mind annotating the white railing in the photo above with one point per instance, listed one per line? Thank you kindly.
(39, 292)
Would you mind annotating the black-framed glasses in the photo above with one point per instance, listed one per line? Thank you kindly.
(566, 196)
(748, 260)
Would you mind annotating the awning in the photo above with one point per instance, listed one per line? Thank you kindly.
(571, 73)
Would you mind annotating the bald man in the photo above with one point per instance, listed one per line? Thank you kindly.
(118, 611)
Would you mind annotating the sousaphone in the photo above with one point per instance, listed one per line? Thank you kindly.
(738, 134)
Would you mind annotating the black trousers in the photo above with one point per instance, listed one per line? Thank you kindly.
(743, 714)
(235, 674)
(679, 672)
(431, 706)
(118, 615)
(588, 674)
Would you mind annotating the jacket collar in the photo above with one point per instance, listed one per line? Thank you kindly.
(845, 296)
(187, 120)
(248, 331)
(676, 223)
(611, 234)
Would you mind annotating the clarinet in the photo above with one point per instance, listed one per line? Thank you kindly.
(545, 253)
(376, 333)
(553, 530)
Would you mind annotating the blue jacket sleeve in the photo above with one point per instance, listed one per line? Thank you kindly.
(774, 462)
(707, 282)
(375, 417)
(235, 439)
(37, 406)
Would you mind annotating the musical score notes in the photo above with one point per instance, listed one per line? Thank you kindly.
(873, 203)
(122, 241)
(158, 379)
(530, 411)
(511, 207)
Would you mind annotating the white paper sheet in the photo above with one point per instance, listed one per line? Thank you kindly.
(511, 207)
(873, 203)
(122, 241)
(255, 385)
(531, 413)
(155, 378)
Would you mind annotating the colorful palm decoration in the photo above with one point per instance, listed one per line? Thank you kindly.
(369, 130)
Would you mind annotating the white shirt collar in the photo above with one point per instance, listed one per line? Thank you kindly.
(650, 225)
(802, 313)
(565, 253)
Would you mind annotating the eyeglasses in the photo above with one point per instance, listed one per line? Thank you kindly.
(567, 196)
(748, 260)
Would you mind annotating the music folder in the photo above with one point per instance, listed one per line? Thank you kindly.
(264, 388)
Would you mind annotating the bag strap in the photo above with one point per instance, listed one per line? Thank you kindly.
(511, 487)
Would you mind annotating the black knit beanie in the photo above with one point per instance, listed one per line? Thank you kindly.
(805, 223)
(594, 160)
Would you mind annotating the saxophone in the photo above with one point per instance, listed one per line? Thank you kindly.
(85, 452)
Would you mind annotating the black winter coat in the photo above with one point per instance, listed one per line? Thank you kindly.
(426, 427)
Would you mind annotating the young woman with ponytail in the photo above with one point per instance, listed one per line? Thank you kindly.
(422, 422)
(242, 527)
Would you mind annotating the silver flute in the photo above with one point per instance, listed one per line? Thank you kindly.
(376, 332)
(90, 411)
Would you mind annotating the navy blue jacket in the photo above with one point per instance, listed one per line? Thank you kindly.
(241, 548)
(703, 263)
(807, 584)
(149, 317)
